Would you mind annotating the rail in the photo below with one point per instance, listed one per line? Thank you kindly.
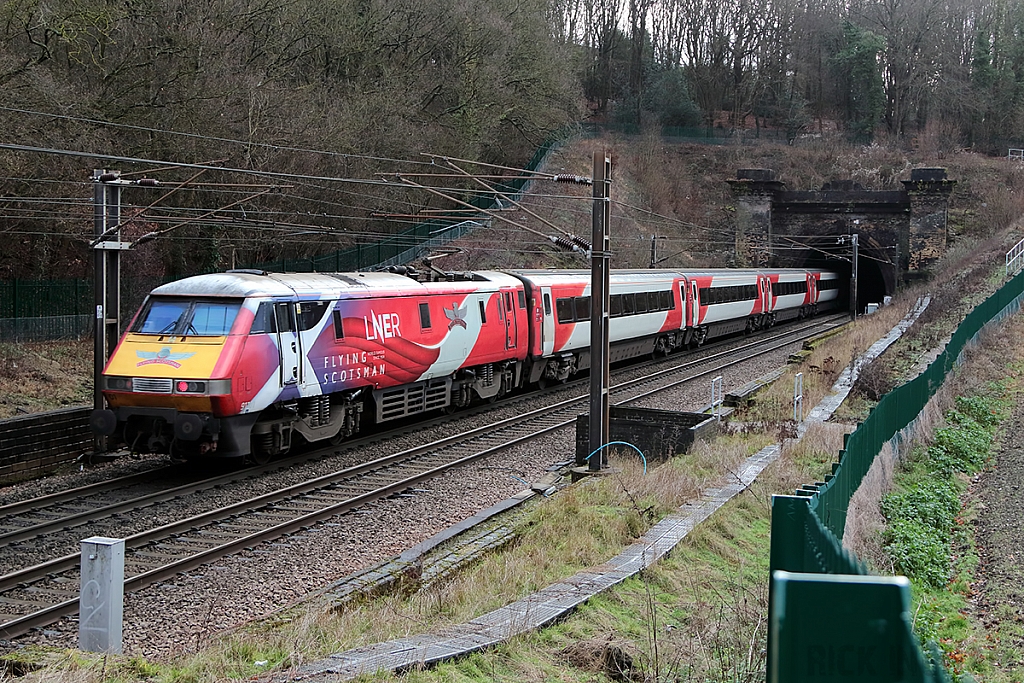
(26, 593)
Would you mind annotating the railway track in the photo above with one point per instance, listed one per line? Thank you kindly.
(34, 596)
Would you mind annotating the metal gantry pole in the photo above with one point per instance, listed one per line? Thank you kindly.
(600, 255)
(106, 278)
(853, 278)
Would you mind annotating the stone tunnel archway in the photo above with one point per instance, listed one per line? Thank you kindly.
(877, 274)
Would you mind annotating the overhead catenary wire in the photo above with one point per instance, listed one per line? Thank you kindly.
(245, 143)
(494, 215)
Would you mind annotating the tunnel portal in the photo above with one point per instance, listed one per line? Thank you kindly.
(900, 233)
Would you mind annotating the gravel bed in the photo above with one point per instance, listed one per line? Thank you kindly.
(180, 616)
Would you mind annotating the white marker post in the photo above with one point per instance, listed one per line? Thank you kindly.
(716, 398)
(798, 398)
(101, 603)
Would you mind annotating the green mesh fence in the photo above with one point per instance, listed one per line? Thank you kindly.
(807, 528)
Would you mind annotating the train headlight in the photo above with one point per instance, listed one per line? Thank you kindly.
(119, 383)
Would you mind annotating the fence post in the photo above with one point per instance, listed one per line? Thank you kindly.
(785, 546)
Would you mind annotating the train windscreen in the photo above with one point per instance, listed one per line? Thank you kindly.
(187, 317)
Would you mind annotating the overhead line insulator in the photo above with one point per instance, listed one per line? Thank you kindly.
(573, 179)
(569, 244)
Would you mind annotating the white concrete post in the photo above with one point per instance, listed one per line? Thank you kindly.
(101, 602)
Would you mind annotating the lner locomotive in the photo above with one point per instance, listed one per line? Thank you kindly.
(243, 363)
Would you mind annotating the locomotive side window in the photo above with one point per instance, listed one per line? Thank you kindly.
(425, 316)
(483, 312)
(263, 322)
(284, 317)
(522, 299)
(339, 325)
(309, 313)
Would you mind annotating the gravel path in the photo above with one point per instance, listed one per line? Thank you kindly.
(1000, 528)
(181, 615)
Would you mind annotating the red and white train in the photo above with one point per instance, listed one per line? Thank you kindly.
(241, 363)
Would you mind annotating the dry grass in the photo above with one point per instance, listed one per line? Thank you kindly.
(581, 527)
(44, 376)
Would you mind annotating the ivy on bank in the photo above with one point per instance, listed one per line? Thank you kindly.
(921, 513)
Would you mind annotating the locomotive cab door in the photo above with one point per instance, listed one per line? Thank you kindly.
(288, 343)
(507, 312)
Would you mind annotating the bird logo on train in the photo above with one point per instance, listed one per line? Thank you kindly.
(456, 316)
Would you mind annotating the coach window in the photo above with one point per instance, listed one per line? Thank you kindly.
(483, 312)
(615, 305)
(547, 304)
(583, 308)
(424, 316)
(565, 311)
(263, 322)
(628, 304)
(641, 302)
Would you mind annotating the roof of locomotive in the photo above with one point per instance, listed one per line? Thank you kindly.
(239, 284)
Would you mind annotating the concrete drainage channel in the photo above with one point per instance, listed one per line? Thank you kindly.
(491, 528)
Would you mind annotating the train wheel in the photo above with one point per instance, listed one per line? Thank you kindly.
(177, 453)
(259, 457)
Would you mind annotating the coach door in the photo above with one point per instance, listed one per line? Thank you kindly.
(547, 334)
(507, 311)
(288, 343)
(694, 305)
(766, 297)
(812, 289)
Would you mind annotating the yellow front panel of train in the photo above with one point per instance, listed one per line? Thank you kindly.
(140, 356)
